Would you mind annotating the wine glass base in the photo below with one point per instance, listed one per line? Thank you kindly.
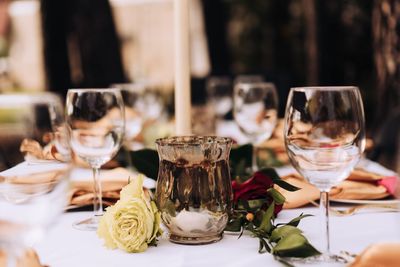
(320, 260)
(90, 224)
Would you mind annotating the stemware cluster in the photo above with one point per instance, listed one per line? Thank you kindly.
(38, 141)
(34, 156)
(254, 103)
(324, 137)
(324, 132)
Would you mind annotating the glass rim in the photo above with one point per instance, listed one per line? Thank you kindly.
(129, 86)
(28, 98)
(193, 140)
(255, 84)
(225, 80)
(326, 88)
(79, 90)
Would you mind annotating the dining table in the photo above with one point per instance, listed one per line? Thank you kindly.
(352, 231)
(65, 246)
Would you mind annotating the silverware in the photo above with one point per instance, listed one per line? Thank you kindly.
(393, 207)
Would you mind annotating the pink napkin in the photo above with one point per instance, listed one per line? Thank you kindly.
(389, 183)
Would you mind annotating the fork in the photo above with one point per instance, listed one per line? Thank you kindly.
(352, 210)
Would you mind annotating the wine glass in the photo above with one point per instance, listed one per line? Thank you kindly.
(34, 169)
(132, 95)
(219, 95)
(324, 137)
(249, 78)
(96, 123)
(255, 111)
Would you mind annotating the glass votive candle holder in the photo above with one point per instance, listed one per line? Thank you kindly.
(194, 193)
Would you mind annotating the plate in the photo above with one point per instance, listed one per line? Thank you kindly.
(370, 201)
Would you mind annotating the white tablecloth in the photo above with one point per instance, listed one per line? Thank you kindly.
(66, 247)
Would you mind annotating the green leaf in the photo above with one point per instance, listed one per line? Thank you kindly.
(234, 225)
(240, 161)
(271, 173)
(242, 152)
(285, 185)
(295, 222)
(268, 157)
(239, 171)
(145, 161)
(294, 245)
(280, 232)
(241, 233)
(276, 196)
(277, 180)
(243, 205)
(266, 224)
(263, 244)
(236, 222)
(255, 204)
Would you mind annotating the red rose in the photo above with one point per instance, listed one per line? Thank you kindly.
(277, 209)
(254, 188)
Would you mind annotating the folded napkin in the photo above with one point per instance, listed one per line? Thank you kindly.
(81, 192)
(276, 143)
(28, 259)
(360, 185)
(34, 152)
(379, 255)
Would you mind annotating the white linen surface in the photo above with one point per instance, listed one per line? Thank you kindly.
(65, 247)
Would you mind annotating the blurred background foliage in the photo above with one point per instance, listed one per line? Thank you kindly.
(309, 42)
(300, 42)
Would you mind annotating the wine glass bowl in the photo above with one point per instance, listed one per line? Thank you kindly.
(143, 106)
(96, 123)
(219, 95)
(255, 109)
(324, 137)
(132, 95)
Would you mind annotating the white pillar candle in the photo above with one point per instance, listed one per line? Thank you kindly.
(182, 69)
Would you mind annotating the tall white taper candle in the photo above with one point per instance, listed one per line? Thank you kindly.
(182, 68)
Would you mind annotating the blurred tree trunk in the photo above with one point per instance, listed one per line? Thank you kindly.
(311, 44)
(81, 47)
(216, 18)
(386, 33)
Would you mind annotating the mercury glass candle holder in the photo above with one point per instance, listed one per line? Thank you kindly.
(194, 193)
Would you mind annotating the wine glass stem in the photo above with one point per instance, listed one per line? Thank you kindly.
(254, 165)
(97, 200)
(11, 261)
(324, 210)
(13, 254)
